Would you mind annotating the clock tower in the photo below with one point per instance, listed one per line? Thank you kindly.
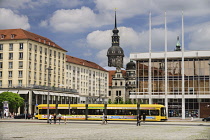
(115, 53)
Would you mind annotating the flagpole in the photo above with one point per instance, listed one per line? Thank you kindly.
(150, 66)
(183, 91)
(166, 68)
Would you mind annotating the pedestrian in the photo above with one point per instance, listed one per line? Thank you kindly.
(103, 118)
(55, 118)
(138, 120)
(191, 117)
(65, 118)
(144, 117)
(59, 117)
(106, 122)
(50, 119)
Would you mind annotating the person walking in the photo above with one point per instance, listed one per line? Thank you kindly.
(50, 119)
(55, 118)
(59, 117)
(191, 117)
(144, 117)
(65, 118)
(138, 120)
(103, 118)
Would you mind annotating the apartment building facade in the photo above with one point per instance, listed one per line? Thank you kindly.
(34, 66)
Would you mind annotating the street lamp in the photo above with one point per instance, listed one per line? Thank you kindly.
(48, 106)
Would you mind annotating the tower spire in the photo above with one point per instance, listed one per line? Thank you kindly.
(178, 45)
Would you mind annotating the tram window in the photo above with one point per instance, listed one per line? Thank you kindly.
(121, 112)
(163, 111)
(154, 112)
(77, 111)
(130, 112)
(63, 111)
(145, 111)
(95, 111)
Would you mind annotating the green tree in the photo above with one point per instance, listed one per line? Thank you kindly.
(14, 100)
(110, 101)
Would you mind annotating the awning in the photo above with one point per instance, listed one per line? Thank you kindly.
(75, 95)
(36, 92)
(23, 92)
(45, 93)
(13, 91)
(2, 91)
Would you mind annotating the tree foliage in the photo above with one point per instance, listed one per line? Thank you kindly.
(14, 100)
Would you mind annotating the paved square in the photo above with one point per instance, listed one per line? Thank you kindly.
(86, 130)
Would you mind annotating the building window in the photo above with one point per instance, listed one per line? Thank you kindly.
(115, 83)
(9, 83)
(21, 46)
(35, 56)
(20, 82)
(10, 56)
(110, 93)
(11, 47)
(30, 46)
(10, 65)
(12, 36)
(54, 53)
(1, 47)
(116, 93)
(40, 49)
(20, 64)
(1, 65)
(10, 74)
(121, 83)
(35, 48)
(0, 83)
(59, 55)
(1, 55)
(45, 51)
(2, 36)
(120, 93)
(21, 55)
(20, 74)
(50, 53)
(0, 74)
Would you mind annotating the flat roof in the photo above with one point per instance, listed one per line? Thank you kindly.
(170, 55)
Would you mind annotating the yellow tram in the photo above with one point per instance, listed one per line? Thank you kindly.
(154, 112)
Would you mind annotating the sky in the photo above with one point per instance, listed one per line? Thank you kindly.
(84, 27)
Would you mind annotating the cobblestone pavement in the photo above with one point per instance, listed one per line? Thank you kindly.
(93, 130)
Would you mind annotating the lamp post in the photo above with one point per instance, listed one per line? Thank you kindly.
(48, 106)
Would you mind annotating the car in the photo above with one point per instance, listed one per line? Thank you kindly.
(206, 119)
(22, 116)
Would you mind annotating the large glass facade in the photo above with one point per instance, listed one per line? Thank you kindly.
(196, 82)
(196, 74)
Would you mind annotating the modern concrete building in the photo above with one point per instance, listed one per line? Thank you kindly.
(182, 86)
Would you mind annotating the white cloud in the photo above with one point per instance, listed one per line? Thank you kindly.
(199, 38)
(102, 58)
(28, 4)
(75, 20)
(99, 39)
(11, 20)
(11, 4)
(132, 40)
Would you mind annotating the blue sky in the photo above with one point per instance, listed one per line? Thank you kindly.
(84, 27)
